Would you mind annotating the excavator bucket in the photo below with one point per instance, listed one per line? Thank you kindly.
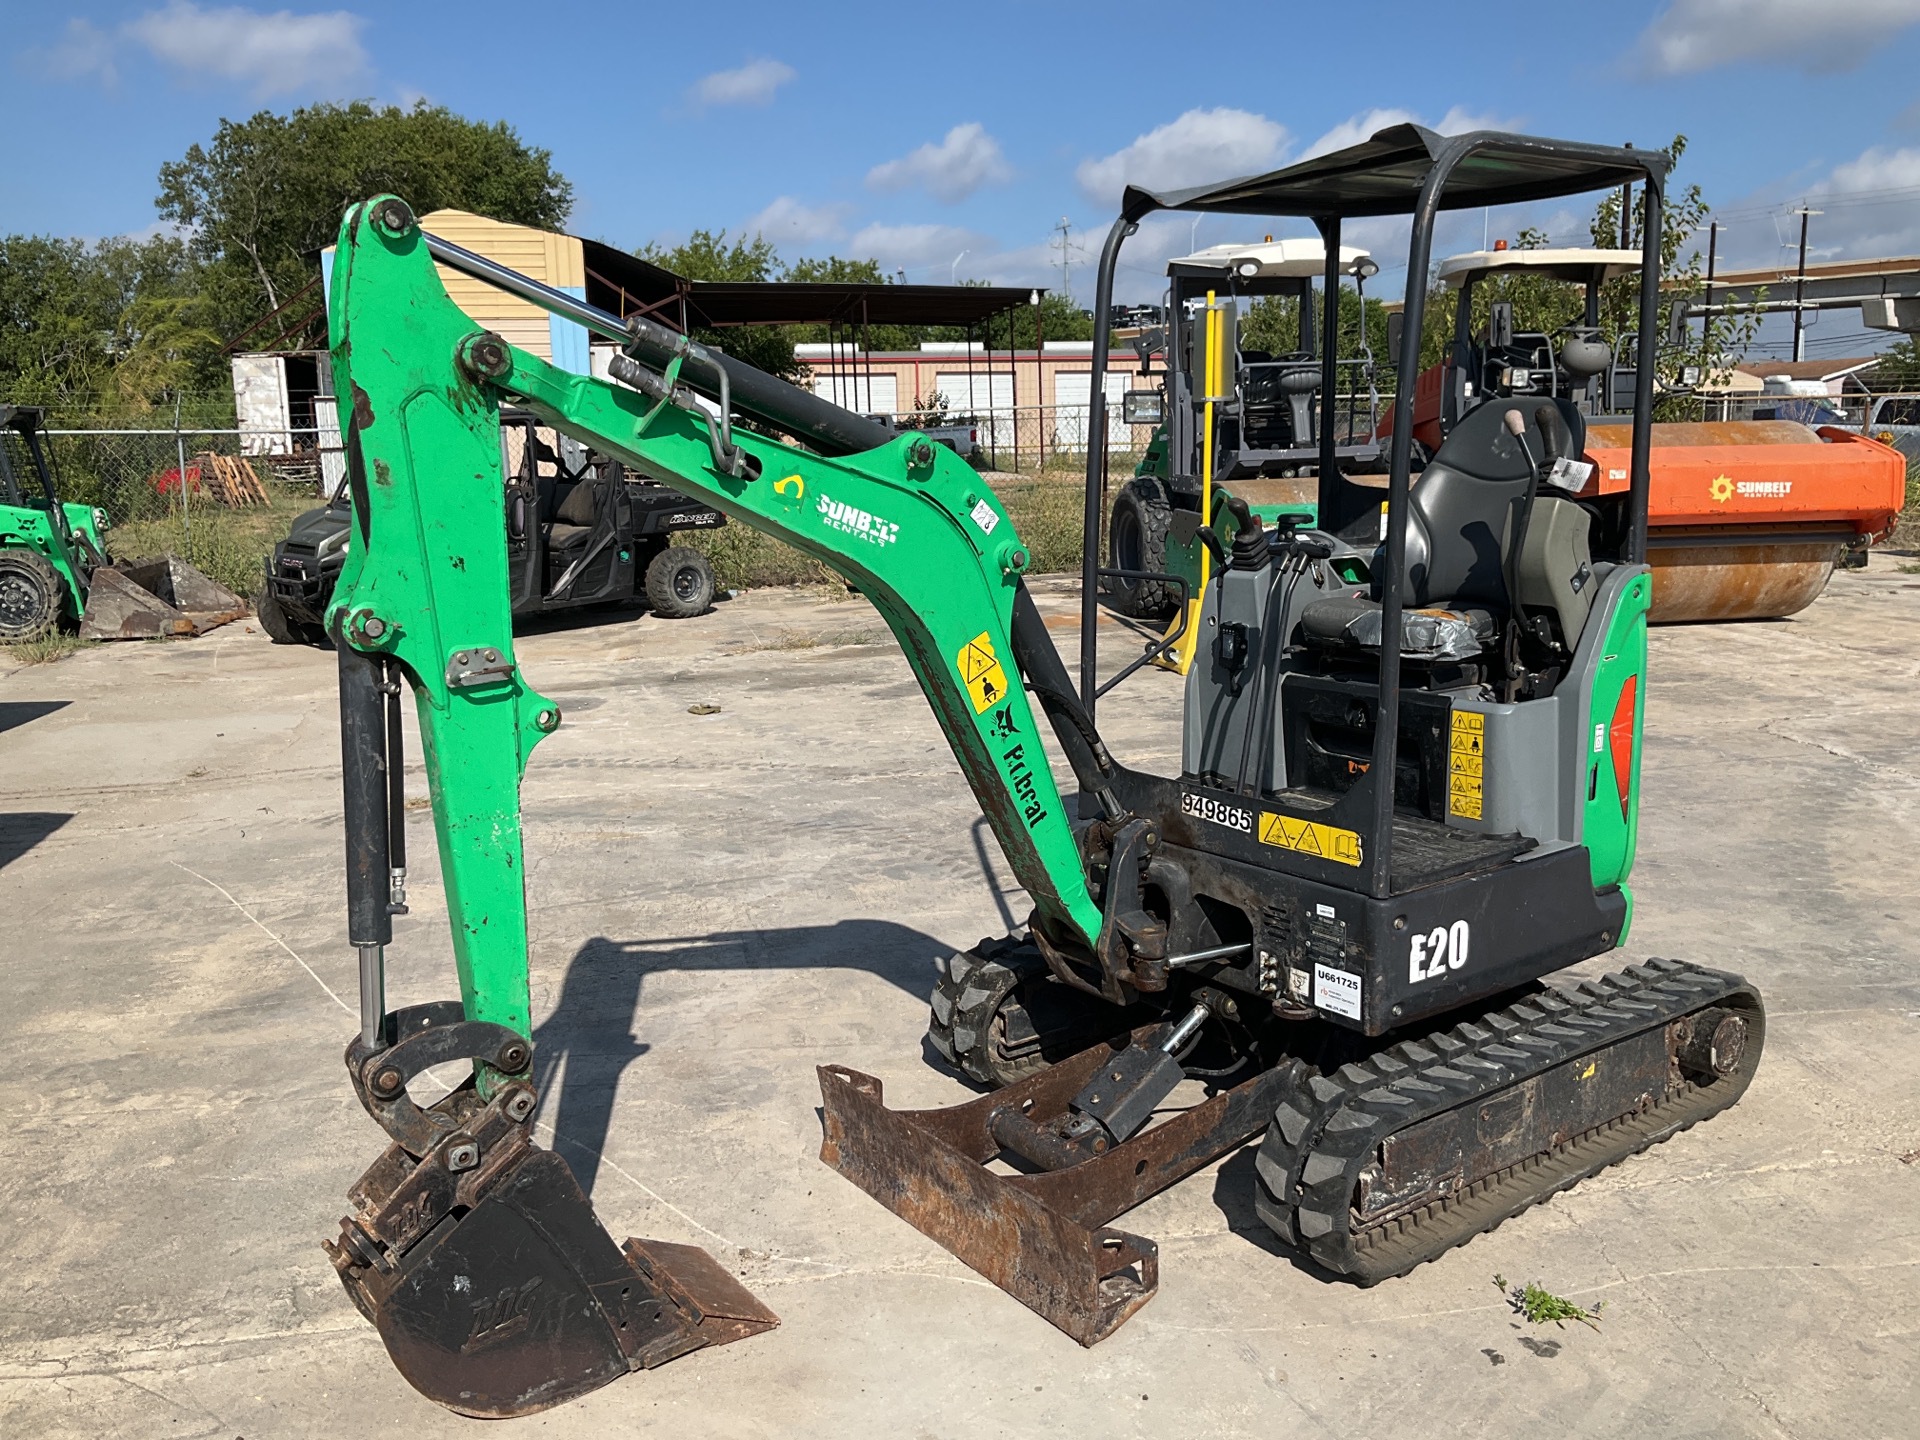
(479, 1259)
(147, 598)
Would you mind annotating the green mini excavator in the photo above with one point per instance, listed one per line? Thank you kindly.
(1405, 800)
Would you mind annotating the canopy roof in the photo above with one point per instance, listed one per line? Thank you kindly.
(1566, 263)
(1383, 175)
(626, 285)
(1303, 259)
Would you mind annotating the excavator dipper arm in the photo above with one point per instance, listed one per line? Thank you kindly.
(473, 1251)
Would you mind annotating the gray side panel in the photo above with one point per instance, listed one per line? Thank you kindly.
(1538, 753)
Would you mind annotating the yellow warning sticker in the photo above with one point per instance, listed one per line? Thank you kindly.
(1466, 770)
(1309, 838)
(980, 671)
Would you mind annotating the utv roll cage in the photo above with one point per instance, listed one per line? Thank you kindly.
(1403, 170)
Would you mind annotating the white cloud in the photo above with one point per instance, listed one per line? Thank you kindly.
(1456, 121)
(271, 53)
(1200, 146)
(754, 83)
(916, 247)
(787, 221)
(1861, 219)
(1694, 35)
(951, 169)
(82, 50)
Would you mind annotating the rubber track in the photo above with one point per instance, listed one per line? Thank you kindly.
(972, 986)
(1322, 1136)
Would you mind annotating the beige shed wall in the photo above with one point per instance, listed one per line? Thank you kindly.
(555, 260)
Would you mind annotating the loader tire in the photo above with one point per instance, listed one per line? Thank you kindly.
(679, 583)
(1137, 540)
(31, 595)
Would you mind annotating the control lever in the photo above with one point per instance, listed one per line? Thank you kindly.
(1516, 425)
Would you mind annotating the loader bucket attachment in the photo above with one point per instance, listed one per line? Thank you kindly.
(480, 1261)
(1043, 1238)
(147, 598)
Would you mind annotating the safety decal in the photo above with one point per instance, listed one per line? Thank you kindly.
(985, 516)
(1308, 838)
(1466, 780)
(980, 672)
(1335, 991)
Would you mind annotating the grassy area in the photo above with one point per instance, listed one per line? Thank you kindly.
(1045, 511)
(229, 546)
(1906, 533)
(45, 650)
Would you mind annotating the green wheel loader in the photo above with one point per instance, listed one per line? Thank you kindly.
(1403, 805)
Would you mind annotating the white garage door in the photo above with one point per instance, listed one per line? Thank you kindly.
(988, 397)
(867, 394)
(1072, 404)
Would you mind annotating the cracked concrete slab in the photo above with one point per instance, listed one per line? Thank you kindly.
(722, 901)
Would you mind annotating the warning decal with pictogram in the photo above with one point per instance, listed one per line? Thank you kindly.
(980, 672)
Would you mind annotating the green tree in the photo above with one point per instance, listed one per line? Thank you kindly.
(1721, 339)
(117, 325)
(1899, 367)
(712, 255)
(268, 192)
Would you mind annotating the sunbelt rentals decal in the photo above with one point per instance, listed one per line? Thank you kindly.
(851, 520)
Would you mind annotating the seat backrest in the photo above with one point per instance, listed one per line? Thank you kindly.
(1463, 503)
(581, 505)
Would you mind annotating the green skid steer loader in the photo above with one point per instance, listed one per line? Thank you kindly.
(1404, 802)
(48, 550)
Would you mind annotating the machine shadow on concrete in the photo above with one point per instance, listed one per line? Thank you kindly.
(19, 712)
(589, 1038)
(21, 831)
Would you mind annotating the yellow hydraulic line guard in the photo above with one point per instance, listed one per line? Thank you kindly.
(1180, 658)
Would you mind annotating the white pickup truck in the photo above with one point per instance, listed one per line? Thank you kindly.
(1895, 420)
(961, 435)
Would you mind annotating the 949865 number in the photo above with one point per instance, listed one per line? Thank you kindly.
(1217, 812)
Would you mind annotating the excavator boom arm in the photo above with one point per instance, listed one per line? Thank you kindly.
(424, 593)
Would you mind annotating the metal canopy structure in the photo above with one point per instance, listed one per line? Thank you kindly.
(625, 285)
(1412, 171)
(1386, 174)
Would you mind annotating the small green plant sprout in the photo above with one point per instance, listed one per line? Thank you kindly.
(1538, 1306)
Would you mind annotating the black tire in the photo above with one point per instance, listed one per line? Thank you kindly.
(280, 627)
(679, 583)
(1137, 540)
(31, 596)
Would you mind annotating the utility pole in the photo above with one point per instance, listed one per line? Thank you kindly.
(1065, 231)
(1800, 285)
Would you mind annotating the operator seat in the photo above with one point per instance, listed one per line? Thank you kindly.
(1453, 586)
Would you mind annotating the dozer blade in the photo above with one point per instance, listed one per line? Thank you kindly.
(495, 1288)
(1043, 1238)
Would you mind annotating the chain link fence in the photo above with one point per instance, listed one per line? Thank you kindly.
(219, 498)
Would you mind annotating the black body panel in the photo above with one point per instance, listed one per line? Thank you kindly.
(1470, 916)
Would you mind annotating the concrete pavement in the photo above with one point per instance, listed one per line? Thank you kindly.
(721, 902)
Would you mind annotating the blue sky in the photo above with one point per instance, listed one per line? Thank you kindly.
(951, 148)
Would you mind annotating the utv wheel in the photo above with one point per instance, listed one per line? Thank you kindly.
(279, 625)
(30, 596)
(1137, 540)
(679, 583)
